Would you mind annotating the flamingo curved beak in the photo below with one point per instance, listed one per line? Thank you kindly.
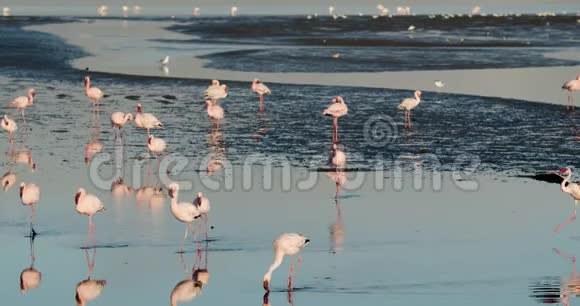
(170, 193)
(266, 285)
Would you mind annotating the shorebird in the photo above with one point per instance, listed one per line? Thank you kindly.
(164, 61)
(411, 28)
(23, 102)
(216, 91)
(408, 104)
(118, 120)
(93, 93)
(337, 157)
(337, 109)
(336, 55)
(88, 204)
(571, 86)
(439, 84)
(5, 11)
(331, 10)
(9, 126)
(203, 206)
(183, 212)
(146, 120)
(29, 196)
(261, 89)
(286, 244)
(234, 11)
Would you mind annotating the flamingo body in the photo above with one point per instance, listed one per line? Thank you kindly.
(87, 204)
(118, 119)
(156, 145)
(287, 244)
(146, 120)
(29, 194)
(216, 91)
(23, 102)
(93, 93)
(260, 88)
(88, 290)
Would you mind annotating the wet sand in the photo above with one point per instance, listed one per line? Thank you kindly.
(125, 47)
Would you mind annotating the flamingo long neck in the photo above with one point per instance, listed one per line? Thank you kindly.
(278, 257)
(174, 205)
(417, 97)
(565, 182)
(127, 117)
(30, 98)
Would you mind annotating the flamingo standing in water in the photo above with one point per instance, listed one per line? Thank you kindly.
(9, 126)
(261, 89)
(337, 109)
(337, 157)
(146, 120)
(93, 93)
(23, 102)
(286, 244)
(29, 196)
(88, 204)
(408, 104)
(203, 206)
(184, 212)
(118, 120)
(571, 86)
(571, 188)
(214, 111)
(216, 91)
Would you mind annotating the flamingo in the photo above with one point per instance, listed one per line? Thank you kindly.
(261, 89)
(196, 11)
(286, 244)
(203, 206)
(25, 158)
(216, 92)
(214, 111)
(234, 11)
(439, 84)
(164, 61)
(93, 93)
(337, 157)
(571, 86)
(5, 11)
(408, 104)
(184, 212)
(9, 126)
(23, 102)
(118, 120)
(8, 180)
(156, 145)
(88, 204)
(571, 188)
(29, 196)
(337, 109)
(146, 120)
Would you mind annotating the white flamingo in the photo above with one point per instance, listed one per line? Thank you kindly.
(337, 157)
(118, 120)
(146, 120)
(23, 102)
(203, 206)
(570, 188)
(261, 89)
(286, 244)
(29, 196)
(408, 104)
(9, 126)
(216, 91)
(337, 109)
(571, 86)
(156, 145)
(184, 212)
(88, 204)
(93, 93)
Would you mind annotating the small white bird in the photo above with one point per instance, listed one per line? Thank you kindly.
(183, 212)
(408, 104)
(331, 10)
(286, 244)
(411, 28)
(146, 120)
(103, 10)
(336, 55)
(137, 10)
(196, 11)
(439, 84)
(164, 61)
(156, 145)
(476, 10)
(9, 126)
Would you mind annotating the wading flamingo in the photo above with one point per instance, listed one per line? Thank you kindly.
(261, 89)
(88, 204)
(216, 91)
(118, 120)
(408, 104)
(29, 196)
(337, 109)
(23, 102)
(571, 86)
(93, 93)
(286, 244)
(184, 212)
(9, 126)
(571, 188)
(203, 206)
(146, 120)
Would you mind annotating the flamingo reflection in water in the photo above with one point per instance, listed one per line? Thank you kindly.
(89, 289)
(30, 278)
(194, 283)
(551, 290)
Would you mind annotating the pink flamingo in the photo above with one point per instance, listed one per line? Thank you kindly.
(93, 93)
(408, 104)
(118, 120)
(23, 102)
(88, 204)
(337, 109)
(29, 196)
(9, 126)
(216, 91)
(261, 89)
(203, 206)
(183, 212)
(571, 188)
(571, 86)
(286, 244)
(146, 120)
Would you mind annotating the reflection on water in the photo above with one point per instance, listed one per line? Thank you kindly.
(553, 290)
(89, 289)
(30, 278)
(191, 287)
